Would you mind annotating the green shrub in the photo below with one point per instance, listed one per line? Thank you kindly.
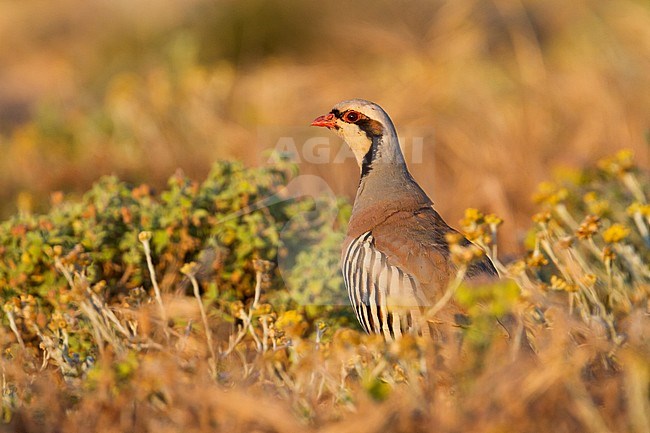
(224, 224)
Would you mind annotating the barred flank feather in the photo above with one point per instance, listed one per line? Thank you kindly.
(384, 298)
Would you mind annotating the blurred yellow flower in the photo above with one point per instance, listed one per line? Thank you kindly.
(493, 221)
(558, 283)
(615, 233)
(638, 208)
(264, 309)
(453, 238)
(542, 218)
(550, 193)
(536, 260)
(619, 164)
(594, 204)
(472, 216)
(144, 236)
(464, 255)
(189, 269)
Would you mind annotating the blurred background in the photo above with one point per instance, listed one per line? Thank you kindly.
(506, 91)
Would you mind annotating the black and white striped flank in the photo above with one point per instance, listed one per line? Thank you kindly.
(385, 298)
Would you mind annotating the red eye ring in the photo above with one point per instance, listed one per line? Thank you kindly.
(351, 117)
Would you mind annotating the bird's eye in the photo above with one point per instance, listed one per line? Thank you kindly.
(351, 116)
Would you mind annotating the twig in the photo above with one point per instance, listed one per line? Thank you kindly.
(14, 328)
(258, 288)
(144, 237)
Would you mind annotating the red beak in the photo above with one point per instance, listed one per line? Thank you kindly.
(327, 121)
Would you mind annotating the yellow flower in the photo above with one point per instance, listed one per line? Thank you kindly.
(473, 214)
(536, 260)
(453, 238)
(189, 269)
(144, 236)
(550, 193)
(236, 308)
(472, 217)
(477, 236)
(636, 207)
(615, 233)
(464, 255)
(493, 221)
(542, 218)
(595, 205)
(263, 309)
(619, 164)
(558, 283)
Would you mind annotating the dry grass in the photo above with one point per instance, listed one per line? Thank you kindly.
(349, 383)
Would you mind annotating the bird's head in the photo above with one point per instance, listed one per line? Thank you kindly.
(365, 127)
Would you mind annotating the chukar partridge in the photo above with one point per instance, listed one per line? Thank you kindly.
(395, 258)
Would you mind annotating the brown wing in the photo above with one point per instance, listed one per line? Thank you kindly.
(416, 242)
